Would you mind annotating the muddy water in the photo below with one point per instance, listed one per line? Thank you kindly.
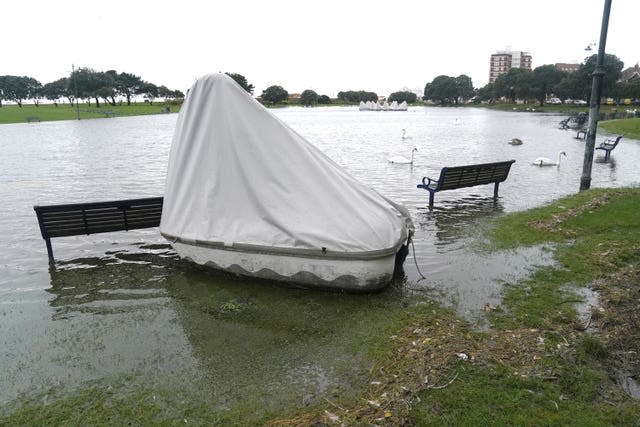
(121, 305)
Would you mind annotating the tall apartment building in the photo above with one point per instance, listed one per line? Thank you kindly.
(502, 62)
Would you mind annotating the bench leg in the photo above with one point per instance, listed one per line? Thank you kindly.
(431, 194)
(49, 249)
(607, 154)
(495, 191)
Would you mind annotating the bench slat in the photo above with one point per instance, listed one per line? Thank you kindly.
(99, 216)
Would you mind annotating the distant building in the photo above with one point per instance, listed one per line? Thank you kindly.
(503, 61)
(567, 68)
(630, 73)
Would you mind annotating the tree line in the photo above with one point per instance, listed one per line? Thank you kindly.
(538, 84)
(541, 83)
(517, 83)
(83, 83)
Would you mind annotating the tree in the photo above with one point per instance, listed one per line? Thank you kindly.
(164, 92)
(242, 81)
(17, 89)
(545, 78)
(149, 91)
(485, 93)
(612, 69)
(34, 89)
(352, 96)
(2, 89)
(308, 98)
(91, 84)
(324, 99)
(274, 94)
(464, 86)
(442, 89)
(628, 89)
(516, 83)
(403, 96)
(571, 86)
(128, 85)
(57, 89)
(109, 89)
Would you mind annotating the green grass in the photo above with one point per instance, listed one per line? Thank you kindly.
(493, 396)
(630, 128)
(595, 234)
(101, 405)
(48, 112)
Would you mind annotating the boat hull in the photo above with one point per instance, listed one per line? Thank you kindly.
(350, 274)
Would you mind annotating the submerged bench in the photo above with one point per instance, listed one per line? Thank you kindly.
(467, 176)
(608, 145)
(98, 217)
(583, 131)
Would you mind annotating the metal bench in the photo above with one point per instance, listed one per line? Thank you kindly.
(608, 145)
(583, 131)
(98, 217)
(467, 176)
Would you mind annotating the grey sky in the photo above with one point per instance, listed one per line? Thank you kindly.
(326, 45)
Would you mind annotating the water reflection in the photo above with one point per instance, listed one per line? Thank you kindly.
(244, 343)
(111, 284)
(451, 220)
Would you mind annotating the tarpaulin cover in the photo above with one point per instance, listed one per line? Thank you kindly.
(239, 176)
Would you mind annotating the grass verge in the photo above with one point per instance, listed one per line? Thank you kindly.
(630, 128)
(49, 112)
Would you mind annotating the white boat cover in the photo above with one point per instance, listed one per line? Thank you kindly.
(239, 178)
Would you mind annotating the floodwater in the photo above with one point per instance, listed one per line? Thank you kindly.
(122, 307)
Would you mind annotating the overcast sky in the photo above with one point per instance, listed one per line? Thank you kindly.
(326, 45)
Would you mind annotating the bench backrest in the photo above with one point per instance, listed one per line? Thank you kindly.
(470, 175)
(98, 217)
(618, 138)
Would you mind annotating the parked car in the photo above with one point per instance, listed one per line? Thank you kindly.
(579, 102)
(568, 101)
(554, 101)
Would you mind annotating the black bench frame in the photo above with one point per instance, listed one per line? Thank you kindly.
(97, 217)
(608, 145)
(467, 176)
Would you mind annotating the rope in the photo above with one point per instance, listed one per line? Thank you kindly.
(416, 261)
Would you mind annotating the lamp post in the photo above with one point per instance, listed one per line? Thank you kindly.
(75, 89)
(594, 102)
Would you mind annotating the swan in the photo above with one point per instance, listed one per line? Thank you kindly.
(515, 141)
(404, 134)
(402, 160)
(543, 161)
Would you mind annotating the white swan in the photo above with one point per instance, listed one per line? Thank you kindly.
(543, 161)
(404, 134)
(402, 160)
